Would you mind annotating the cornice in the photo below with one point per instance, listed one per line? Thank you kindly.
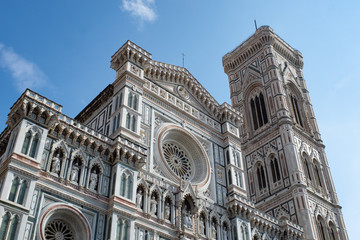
(264, 36)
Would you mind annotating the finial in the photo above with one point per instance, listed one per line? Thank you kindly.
(255, 25)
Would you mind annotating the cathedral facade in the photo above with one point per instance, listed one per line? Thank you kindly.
(155, 156)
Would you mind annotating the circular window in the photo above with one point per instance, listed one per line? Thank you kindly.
(177, 160)
(183, 157)
(58, 230)
(60, 221)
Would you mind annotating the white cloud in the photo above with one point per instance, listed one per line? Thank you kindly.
(25, 73)
(143, 9)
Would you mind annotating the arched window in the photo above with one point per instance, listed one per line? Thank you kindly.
(128, 121)
(22, 191)
(26, 144)
(333, 233)
(261, 177)
(4, 225)
(129, 188)
(275, 170)
(229, 176)
(13, 228)
(34, 145)
(14, 189)
(133, 123)
(135, 102)
(296, 110)
(306, 168)
(321, 228)
(123, 184)
(258, 111)
(317, 175)
(118, 121)
(130, 99)
(122, 229)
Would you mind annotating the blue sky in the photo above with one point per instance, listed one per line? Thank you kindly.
(62, 50)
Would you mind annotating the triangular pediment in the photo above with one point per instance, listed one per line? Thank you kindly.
(179, 82)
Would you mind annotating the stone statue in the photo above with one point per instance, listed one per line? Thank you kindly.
(167, 211)
(55, 165)
(153, 206)
(139, 197)
(74, 176)
(213, 231)
(201, 226)
(93, 180)
(187, 219)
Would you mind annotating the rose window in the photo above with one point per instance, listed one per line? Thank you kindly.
(58, 230)
(181, 157)
(177, 160)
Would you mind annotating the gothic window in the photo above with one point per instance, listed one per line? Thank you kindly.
(122, 229)
(114, 124)
(296, 110)
(306, 168)
(30, 144)
(133, 101)
(22, 191)
(321, 228)
(243, 232)
(260, 172)
(317, 175)
(128, 121)
(34, 145)
(126, 185)
(133, 123)
(227, 157)
(14, 189)
(9, 226)
(18, 190)
(229, 176)
(118, 121)
(130, 100)
(4, 225)
(13, 227)
(26, 144)
(258, 111)
(333, 233)
(275, 170)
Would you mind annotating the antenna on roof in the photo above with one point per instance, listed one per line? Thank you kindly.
(183, 58)
(255, 24)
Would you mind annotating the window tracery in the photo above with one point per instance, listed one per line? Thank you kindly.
(258, 110)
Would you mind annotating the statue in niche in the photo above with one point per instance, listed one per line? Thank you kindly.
(153, 206)
(93, 180)
(213, 230)
(74, 176)
(167, 211)
(55, 165)
(201, 226)
(187, 218)
(139, 197)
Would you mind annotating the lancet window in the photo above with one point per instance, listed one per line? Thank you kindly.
(275, 169)
(296, 110)
(260, 173)
(126, 185)
(258, 111)
(9, 225)
(18, 190)
(132, 100)
(30, 144)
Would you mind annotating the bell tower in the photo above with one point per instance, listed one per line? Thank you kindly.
(288, 174)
